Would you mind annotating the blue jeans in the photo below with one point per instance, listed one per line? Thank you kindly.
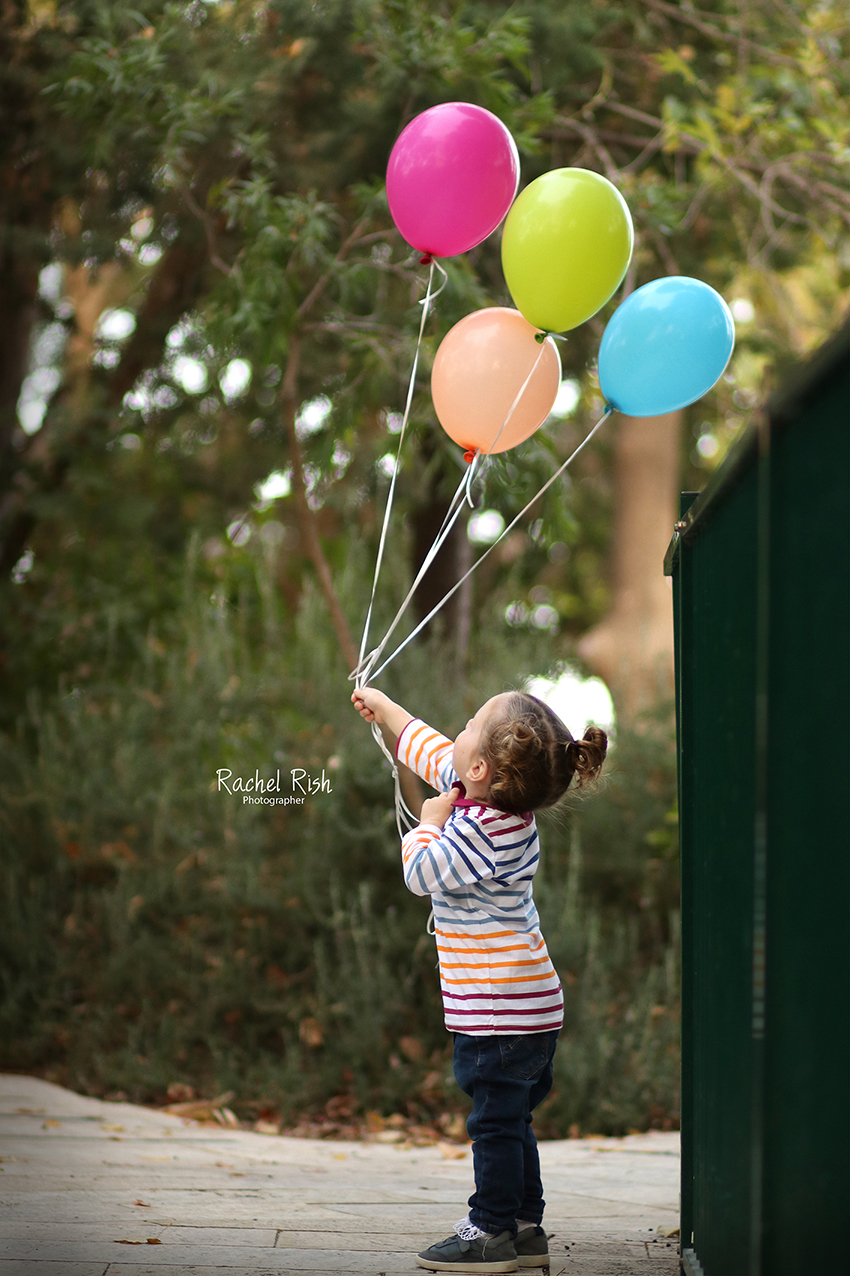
(506, 1078)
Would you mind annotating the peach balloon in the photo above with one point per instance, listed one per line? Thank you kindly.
(479, 369)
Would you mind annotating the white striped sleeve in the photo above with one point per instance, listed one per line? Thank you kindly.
(428, 753)
(447, 860)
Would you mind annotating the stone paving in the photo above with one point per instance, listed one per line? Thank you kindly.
(90, 1188)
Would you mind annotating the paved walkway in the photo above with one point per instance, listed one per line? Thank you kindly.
(90, 1188)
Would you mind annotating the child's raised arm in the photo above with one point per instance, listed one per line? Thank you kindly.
(374, 706)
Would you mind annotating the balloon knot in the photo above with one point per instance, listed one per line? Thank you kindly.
(540, 337)
(426, 259)
(469, 455)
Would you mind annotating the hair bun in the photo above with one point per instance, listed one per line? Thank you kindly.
(587, 755)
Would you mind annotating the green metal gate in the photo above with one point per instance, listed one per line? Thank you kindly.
(761, 579)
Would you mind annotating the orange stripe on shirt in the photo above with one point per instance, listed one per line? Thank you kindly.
(428, 738)
(511, 948)
(491, 965)
(513, 979)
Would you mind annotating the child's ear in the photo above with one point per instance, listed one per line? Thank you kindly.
(479, 771)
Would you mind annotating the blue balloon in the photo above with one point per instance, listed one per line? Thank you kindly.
(665, 346)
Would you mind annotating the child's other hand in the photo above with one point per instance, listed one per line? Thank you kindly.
(370, 703)
(436, 810)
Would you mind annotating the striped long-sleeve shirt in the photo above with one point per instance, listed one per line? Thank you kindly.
(495, 972)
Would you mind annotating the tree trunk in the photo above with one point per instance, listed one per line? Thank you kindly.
(632, 648)
(427, 519)
(41, 464)
(306, 518)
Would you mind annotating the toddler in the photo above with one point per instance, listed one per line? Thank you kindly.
(475, 852)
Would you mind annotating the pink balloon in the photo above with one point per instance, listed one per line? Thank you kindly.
(452, 176)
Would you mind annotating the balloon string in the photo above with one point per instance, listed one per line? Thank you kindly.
(519, 395)
(403, 813)
(425, 303)
(608, 410)
(363, 673)
(464, 491)
(435, 265)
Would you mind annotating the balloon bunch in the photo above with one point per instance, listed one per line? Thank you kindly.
(566, 246)
(452, 179)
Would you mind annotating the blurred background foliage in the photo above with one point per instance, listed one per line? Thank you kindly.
(209, 326)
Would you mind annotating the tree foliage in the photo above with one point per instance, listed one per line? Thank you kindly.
(215, 172)
(202, 287)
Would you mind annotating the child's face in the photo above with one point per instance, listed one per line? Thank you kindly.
(467, 758)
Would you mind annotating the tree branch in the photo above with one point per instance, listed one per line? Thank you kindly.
(321, 284)
(173, 289)
(693, 19)
(306, 517)
(209, 230)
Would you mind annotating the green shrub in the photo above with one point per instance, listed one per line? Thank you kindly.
(157, 930)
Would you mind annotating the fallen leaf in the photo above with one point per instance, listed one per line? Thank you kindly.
(146, 1204)
(199, 1108)
(267, 1127)
(237, 1174)
(153, 1240)
(224, 1165)
(450, 1152)
(455, 1127)
(50, 1124)
(118, 1129)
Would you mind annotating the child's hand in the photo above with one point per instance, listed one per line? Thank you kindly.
(370, 703)
(374, 706)
(436, 810)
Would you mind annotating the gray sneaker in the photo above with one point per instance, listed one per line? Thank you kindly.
(485, 1254)
(532, 1247)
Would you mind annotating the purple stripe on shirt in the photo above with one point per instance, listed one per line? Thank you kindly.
(471, 1029)
(508, 1010)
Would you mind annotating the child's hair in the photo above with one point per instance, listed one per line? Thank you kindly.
(533, 757)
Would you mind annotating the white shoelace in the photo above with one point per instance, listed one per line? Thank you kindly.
(468, 1231)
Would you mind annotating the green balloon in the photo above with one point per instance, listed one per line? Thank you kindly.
(566, 246)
